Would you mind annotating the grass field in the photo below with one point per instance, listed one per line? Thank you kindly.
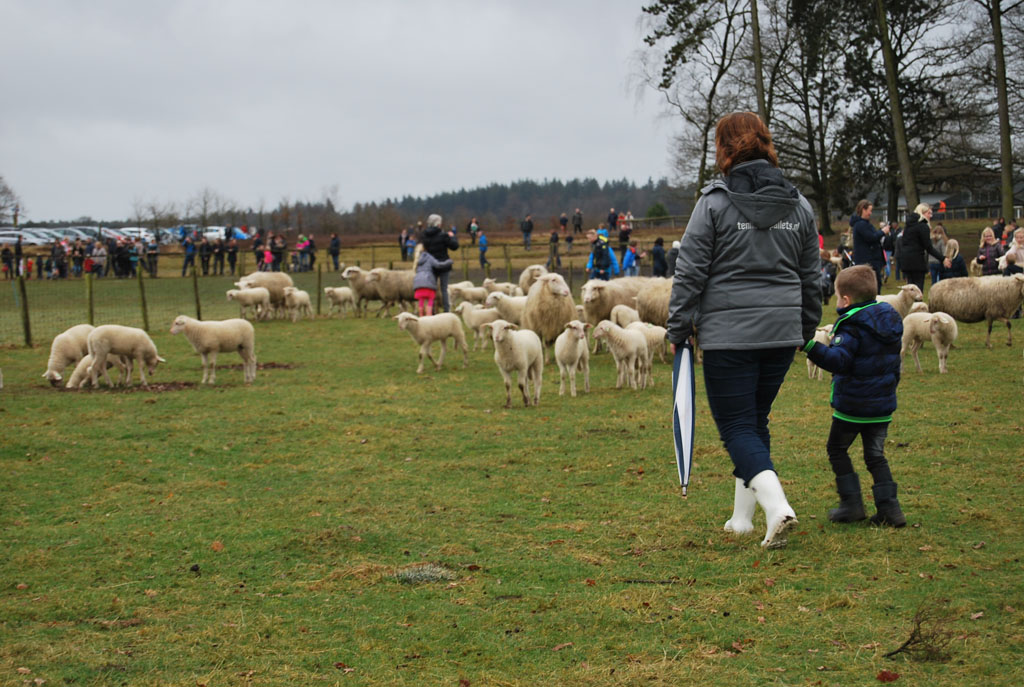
(275, 534)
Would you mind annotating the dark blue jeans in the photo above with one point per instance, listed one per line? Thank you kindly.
(741, 387)
(872, 436)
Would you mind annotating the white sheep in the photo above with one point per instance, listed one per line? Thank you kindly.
(822, 336)
(68, 348)
(509, 307)
(624, 315)
(472, 294)
(211, 337)
(973, 299)
(298, 303)
(257, 298)
(506, 287)
(652, 301)
(629, 349)
(364, 289)
(130, 343)
(80, 376)
(903, 300)
(426, 330)
(519, 351)
(549, 307)
(273, 282)
(572, 353)
(919, 306)
(340, 297)
(394, 287)
(656, 339)
(475, 317)
(918, 327)
(530, 274)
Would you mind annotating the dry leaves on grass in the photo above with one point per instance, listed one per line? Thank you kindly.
(217, 546)
(887, 676)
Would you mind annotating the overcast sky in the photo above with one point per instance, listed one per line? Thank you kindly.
(106, 103)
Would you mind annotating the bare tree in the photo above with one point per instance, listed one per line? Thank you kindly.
(10, 204)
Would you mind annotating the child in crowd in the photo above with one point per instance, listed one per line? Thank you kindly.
(424, 284)
(864, 358)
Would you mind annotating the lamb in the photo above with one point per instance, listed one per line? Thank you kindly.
(919, 306)
(212, 337)
(364, 290)
(476, 317)
(460, 284)
(652, 301)
(472, 294)
(274, 282)
(509, 307)
(426, 330)
(937, 326)
(340, 297)
(297, 302)
(394, 287)
(656, 339)
(81, 374)
(623, 315)
(529, 275)
(131, 343)
(572, 354)
(257, 298)
(520, 351)
(68, 347)
(822, 336)
(629, 349)
(505, 287)
(549, 307)
(973, 299)
(902, 301)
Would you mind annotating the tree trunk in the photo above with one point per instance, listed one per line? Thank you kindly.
(762, 109)
(1005, 149)
(899, 133)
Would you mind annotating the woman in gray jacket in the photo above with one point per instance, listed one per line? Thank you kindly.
(747, 284)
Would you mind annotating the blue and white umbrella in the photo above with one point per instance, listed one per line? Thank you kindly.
(684, 392)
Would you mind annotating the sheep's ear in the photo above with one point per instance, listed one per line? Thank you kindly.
(568, 325)
(513, 326)
(161, 360)
(395, 317)
(587, 325)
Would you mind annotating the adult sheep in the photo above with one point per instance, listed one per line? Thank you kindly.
(128, 342)
(509, 307)
(903, 300)
(973, 299)
(938, 327)
(549, 307)
(652, 301)
(394, 287)
(297, 302)
(257, 298)
(426, 330)
(529, 275)
(273, 282)
(364, 290)
(475, 317)
(341, 297)
(68, 348)
(520, 351)
(211, 337)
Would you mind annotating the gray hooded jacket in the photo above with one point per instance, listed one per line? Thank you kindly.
(747, 275)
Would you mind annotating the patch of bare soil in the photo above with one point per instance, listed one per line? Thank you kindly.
(260, 366)
(155, 388)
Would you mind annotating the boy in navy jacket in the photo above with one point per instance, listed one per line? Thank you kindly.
(864, 358)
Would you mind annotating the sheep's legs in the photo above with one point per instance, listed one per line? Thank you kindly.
(440, 358)
(212, 357)
(508, 388)
(142, 371)
(561, 382)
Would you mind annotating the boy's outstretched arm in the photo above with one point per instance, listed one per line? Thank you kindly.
(837, 358)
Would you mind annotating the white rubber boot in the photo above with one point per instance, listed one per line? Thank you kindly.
(777, 511)
(742, 520)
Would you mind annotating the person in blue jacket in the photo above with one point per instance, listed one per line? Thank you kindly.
(868, 243)
(602, 263)
(864, 358)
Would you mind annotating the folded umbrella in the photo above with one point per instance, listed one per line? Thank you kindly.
(684, 394)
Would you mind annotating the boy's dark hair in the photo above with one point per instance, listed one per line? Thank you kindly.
(858, 282)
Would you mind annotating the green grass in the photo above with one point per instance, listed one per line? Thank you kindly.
(275, 534)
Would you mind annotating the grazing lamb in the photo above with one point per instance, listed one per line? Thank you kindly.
(426, 330)
(624, 315)
(822, 336)
(341, 297)
(973, 299)
(919, 306)
(506, 287)
(297, 302)
(364, 290)
(519, 351)
(656, 339)
(652, 301)
(629, 349)
(80, 376)
(919, 327)
(274, 282)
(212, 337)
(904, 300)
(509, 307)
(572, 353)
(549, 307)
(394, 288)
(472, 294)
(68, 348)
(257, 298)
(476, 317)
(529, 275)
(130, 343)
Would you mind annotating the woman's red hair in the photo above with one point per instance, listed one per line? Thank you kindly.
(741, 137)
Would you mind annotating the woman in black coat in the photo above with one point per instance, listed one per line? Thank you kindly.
(915, 243)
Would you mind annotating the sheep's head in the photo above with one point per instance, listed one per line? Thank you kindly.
(351, 272)
(404, 318)
(54, 377)
(556, 285)
(499, 329)
(232, 293)
(151, 360)
(577, 329)
(592, 291)
(289, 290)
(493, 299)
(488, 283)
(178, 325)
(913, 291)
(601, 330)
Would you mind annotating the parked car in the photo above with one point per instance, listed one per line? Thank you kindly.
(27, 238)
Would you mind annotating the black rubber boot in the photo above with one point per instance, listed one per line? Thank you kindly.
(888, 506)
(851, 503)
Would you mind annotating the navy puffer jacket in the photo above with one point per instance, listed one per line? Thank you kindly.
(864, 359)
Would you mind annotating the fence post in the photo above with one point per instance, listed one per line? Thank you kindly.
(373, 257)
(90, 300)
(142, 299)
(570, 275)
(195, 290)
(508, 262)
(319, 284)
(24, 311)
